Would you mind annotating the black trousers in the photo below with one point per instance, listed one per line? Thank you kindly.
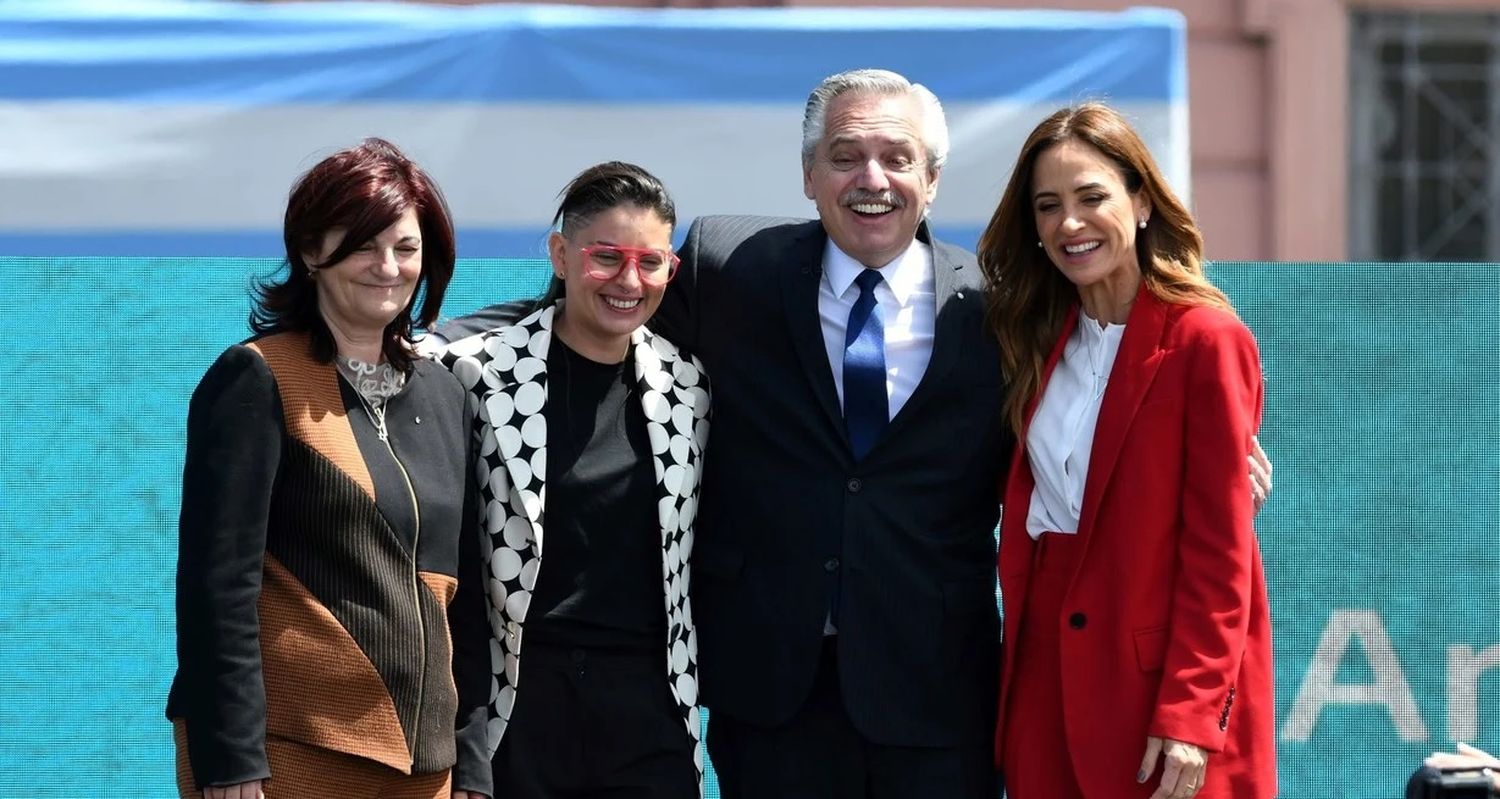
(819, 754)
(591, 724)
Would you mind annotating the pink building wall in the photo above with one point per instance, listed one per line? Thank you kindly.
(1268, 90)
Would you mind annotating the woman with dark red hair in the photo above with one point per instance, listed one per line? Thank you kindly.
(328, 516)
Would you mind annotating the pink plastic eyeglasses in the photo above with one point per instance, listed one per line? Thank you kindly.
(653, 267)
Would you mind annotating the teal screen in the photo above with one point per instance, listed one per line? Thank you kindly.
(1381, 540)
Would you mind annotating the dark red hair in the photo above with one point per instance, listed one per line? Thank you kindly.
(363, 190)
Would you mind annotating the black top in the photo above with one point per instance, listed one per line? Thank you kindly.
(600, 582)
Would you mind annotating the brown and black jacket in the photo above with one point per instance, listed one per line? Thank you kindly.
(317, 566)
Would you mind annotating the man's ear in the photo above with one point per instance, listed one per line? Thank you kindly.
(932, 185)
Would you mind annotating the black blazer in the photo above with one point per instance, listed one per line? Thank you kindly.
(905, 538)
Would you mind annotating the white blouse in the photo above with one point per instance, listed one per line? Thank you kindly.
(1061, 436)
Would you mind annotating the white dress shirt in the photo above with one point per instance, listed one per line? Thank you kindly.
(1061, 437)
(907, 296)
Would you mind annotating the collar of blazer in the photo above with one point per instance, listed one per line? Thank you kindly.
(952, 277)
(673, 391)
(1135, 368)
(1140, 356)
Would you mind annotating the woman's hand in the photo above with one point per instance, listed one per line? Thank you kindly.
(244, 790)
(1260, 474)
(1181, 774)
(469, 795)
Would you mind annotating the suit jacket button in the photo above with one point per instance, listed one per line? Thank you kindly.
(855, 485)
(831, 565)
(1078, 621)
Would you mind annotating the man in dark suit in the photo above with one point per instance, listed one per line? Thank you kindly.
(844, 582)
(844, 571)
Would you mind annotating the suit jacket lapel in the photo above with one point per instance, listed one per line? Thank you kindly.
(945, 337)
(1135, 366)
(801, 273)
(1016, 498)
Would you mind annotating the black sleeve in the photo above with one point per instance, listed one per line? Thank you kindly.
(1007, 449)
(676, 318)
(468, 621)
(486, 318)
(234, 441)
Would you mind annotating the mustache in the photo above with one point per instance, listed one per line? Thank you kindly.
(856, 196)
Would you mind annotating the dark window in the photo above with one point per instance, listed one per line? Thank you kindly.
(1424, 177)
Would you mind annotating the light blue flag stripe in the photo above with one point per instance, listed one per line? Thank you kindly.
(170, 128)
(246, 53)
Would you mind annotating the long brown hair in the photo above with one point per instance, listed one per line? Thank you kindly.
(1028, 298)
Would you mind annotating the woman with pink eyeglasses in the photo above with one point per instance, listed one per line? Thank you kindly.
(591, 434)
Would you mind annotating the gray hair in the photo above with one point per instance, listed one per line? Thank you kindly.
(879, 82)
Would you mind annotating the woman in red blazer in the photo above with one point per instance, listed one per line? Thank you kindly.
(1138, 638)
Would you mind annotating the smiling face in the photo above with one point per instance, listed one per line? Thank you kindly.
(600, 315)
(363, 293)
(1085, 216)
(870, 176)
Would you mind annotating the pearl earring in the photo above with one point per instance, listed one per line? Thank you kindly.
(1142, 224)
(1038, 242)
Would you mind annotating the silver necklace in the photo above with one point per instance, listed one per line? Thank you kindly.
(376, 414)
(373, 384)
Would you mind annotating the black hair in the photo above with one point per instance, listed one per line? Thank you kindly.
(598, 189)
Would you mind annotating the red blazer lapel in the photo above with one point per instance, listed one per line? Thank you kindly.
(1016, 547)
(1135, 367)
(1017, 496)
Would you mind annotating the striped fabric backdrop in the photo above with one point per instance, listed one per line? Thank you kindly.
(175, 128)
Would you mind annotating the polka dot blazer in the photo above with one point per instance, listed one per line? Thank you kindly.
(506, 369)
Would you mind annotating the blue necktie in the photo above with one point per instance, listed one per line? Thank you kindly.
(865, 402)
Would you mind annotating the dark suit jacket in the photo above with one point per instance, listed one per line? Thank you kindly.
(788, 517)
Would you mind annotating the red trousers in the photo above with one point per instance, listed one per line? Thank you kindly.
(1036, 760)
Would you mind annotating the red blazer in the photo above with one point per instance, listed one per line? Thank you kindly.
(1165, 628)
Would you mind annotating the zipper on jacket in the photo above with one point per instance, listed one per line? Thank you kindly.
(416, 595)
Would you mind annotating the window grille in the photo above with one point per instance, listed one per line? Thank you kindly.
(1424, 106)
